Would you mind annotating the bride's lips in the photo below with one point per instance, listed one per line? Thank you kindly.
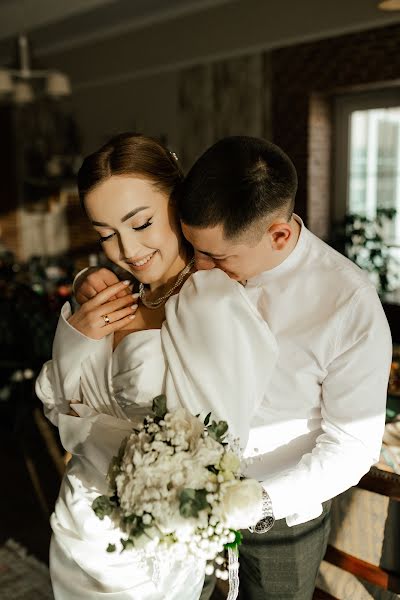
(149, 260)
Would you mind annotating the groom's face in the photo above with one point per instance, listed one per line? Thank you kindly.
(240, 259)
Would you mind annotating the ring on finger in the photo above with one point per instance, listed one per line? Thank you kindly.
(106, 319)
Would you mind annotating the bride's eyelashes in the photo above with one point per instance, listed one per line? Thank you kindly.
(147, 224)
(108, 237)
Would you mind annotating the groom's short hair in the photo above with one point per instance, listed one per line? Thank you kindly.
(237, 183)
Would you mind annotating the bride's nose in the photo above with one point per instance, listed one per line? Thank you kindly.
(128, 246)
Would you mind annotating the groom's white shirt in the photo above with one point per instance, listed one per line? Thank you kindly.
(320, 426)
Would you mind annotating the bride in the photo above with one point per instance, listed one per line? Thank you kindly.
(193, 336)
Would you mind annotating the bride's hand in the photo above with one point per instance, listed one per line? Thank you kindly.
(101, 315)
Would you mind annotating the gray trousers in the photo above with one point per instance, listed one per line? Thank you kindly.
(283, 563)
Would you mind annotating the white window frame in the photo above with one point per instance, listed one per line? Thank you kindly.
(344, 105)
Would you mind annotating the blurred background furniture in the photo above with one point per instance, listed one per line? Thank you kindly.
(363, 557)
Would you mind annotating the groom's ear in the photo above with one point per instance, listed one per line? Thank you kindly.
(280, 234)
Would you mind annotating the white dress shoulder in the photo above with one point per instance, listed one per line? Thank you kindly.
(214, 353)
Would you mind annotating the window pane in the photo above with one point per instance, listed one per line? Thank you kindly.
(374, 176)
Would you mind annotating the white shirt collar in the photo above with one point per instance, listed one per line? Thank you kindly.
(290, 261)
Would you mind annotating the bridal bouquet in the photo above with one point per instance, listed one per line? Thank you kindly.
(176, 486)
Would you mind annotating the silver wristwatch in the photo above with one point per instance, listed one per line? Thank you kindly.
(268, 519)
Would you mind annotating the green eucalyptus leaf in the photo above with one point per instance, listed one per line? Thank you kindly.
(217, 430)
(191, 502)
(127, 544)
(207, 419)
(160, 406)
(115, 464)
(102, 506)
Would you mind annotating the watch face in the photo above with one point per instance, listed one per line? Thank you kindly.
(264, 525)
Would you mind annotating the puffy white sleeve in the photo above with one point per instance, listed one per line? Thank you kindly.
(220, 353)
(58, 382)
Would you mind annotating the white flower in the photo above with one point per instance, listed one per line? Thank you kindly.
(178, 478)
(182, 527)
(209, 452)
(146, 519)
(241, 503)
(227, 475)
(196, 476)
(185, 426)
(230, 462)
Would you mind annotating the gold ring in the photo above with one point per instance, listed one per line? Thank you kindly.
(106, 319)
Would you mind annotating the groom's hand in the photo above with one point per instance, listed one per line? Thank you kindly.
(93, 281)
(71, 411)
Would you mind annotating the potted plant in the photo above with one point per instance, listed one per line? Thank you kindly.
(362, 240)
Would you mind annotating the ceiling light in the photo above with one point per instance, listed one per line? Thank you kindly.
(23, 93)
(389, 4)
(58, 85)
(6, 83)
(23, 83)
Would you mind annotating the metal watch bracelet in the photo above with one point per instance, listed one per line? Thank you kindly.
(268, 519)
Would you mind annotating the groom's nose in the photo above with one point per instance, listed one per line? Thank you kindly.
(203, 263)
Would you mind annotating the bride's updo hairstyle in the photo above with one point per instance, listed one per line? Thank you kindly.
(131, 154)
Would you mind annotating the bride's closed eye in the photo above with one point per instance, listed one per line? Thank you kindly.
(147, 224)
(106, 237)
(144, 226)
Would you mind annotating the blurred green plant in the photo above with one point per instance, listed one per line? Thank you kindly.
(363, 241)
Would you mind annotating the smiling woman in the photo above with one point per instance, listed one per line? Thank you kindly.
(128, 190)
(137, 227)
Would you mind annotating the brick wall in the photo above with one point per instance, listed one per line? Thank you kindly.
(305, 78)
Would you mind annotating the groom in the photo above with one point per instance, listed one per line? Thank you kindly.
(320, 426)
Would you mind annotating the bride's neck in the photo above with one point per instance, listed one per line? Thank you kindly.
(157, 288)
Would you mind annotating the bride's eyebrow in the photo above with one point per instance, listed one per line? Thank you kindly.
(130, 214)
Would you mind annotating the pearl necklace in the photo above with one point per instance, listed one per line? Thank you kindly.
(160, 301)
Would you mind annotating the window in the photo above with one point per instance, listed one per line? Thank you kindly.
(367, 157)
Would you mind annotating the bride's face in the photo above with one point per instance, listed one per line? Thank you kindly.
(137, 226)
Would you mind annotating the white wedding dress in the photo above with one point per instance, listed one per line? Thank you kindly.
(214, 353)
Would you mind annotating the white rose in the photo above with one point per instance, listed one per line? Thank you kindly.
(241, 503)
